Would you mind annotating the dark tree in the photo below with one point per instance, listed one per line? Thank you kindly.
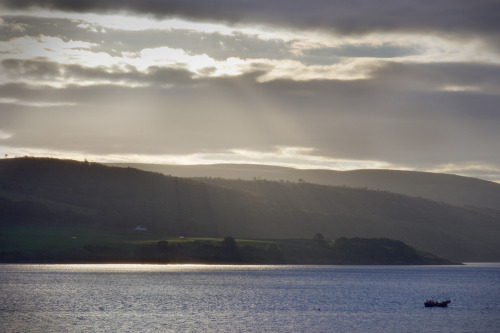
(319, 238)
(230, 248)
(229, 243)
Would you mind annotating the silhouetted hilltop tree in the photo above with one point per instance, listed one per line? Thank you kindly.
(319, 239)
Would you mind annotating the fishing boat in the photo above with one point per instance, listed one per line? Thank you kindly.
(431, 303)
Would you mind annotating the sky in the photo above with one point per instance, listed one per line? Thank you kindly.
(391, 84)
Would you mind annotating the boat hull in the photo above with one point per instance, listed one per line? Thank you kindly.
(432, 304)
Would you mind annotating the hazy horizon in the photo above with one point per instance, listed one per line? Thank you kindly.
(337, 85)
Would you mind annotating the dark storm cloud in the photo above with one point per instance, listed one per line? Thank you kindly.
(31, 68)
(20, 26)
(357, 16)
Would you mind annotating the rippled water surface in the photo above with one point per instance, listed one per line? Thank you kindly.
(190, 298)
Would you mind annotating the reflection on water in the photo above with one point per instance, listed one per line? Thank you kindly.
(136, 268)
(249, 298)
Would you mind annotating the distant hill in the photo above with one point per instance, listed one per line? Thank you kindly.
(452, 189)
(51, 192)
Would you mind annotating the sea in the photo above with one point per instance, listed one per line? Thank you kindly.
(253, 298)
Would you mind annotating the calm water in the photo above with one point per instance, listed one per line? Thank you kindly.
(179, 298)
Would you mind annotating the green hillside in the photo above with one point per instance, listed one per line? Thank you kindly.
(57, 244)
(63, 193)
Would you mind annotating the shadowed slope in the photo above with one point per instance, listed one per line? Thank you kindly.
(452, 189)
(60, 192)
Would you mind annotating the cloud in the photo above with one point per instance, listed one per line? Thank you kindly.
(331, 55)
(472, 169)
(33, 103)
(358, 16)
(404, 84)
(417, 127)
(203, 54)
(36, 69)
(4, 135)
(483, 78)
(98, 69)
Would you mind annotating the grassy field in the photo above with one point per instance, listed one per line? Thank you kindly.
(20, 238)
(72, 244)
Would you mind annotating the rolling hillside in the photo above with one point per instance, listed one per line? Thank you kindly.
(54, 192)
(452, 189)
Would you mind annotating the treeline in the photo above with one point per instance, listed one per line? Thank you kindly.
(342, 251)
